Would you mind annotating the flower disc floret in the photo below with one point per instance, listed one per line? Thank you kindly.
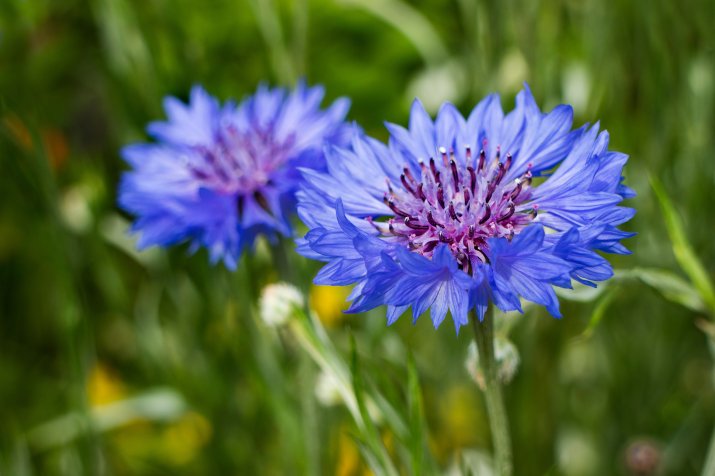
(459, 205)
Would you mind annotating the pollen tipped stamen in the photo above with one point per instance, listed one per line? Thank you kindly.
(414, 224)
(396, 209)
(455, 174)
(508, 161)
(432, 221)
(429, 246)
(485, 258)
(491, 186)
(501, 170)
(517, 190)
(510, 211)
(510, 234)
(438, 179)
(452, 212)
(444, 238)
(440, 197)
(482, 160)
(487, 214)
(433, 169)
(443, 153)
(421, 193)
(465, 264)
(406, 184)
(423, 167)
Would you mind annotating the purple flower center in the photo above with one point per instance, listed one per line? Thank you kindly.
(462, 206)
(240, 162)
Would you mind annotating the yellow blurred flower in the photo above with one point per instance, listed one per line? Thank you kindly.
(183, 440)
(462, 423)
(104, 386)
(329, 302)
(144, 443)
(349, 460)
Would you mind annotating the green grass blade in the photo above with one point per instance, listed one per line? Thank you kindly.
(684, 253)
(672, 287)
(417, 423)
(371, 433)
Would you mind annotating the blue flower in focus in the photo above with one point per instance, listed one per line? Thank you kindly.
(220, 175)
(459, 212)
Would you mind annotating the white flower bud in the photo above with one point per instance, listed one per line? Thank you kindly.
(279, 302)
(507, 359)
(75, 209)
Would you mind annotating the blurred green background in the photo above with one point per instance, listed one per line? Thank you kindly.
(114, 362)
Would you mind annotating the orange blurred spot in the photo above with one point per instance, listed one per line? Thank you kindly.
(54, 142)
(19, 132)
(56, 147)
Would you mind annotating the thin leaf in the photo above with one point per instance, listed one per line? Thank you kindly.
(598, 313)
(672, 287)
(370, 433)
(684, 253)
(417, 424)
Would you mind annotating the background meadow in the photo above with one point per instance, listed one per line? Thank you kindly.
(114, 362)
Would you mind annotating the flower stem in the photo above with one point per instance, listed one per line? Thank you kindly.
(709, 467)
(498, 422)
(281, 258)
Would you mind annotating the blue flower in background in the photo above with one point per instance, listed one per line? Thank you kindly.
(220, 175)
(456, 213)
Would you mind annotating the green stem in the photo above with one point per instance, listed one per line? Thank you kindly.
(709, 468)
(281, 258)
(498, 422)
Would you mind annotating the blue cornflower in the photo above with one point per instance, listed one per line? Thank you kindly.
(219, 175)
(456, 213)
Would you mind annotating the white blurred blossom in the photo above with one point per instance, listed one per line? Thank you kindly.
(279, 302)
(507, 358)
(74, 209)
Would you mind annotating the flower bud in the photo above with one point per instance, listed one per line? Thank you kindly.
(279, 302)
(507, 359)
